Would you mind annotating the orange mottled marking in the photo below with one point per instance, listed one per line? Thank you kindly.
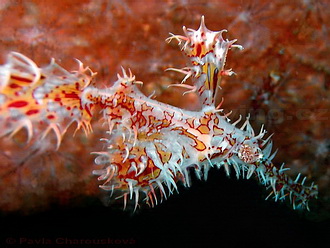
(140, 119)
(218, 130)
(205, 119)
(163, 154)
(145, 107)
(203, 129)
(151, 172)
(190, 122)
(199, 145)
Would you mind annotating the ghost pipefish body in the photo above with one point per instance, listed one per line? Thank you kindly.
(150, 146)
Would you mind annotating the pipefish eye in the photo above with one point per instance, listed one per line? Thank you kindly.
(249, 154)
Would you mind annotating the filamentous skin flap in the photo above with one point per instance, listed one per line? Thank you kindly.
(150, 146)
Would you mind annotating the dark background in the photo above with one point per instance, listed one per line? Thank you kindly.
(223, 212)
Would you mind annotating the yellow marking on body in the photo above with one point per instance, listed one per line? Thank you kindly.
(200, 146)
(203, 129)
(190, 122)
(143, 136)
(163, 154)
(152, 170)
(218, 130)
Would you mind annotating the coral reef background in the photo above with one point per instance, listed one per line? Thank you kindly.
(283, 81)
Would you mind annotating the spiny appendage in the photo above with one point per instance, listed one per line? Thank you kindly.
(118, 94)
(42, 99)
(207, 51)
(253, 156)
(282, 185)
(136, 163)
(144, 154)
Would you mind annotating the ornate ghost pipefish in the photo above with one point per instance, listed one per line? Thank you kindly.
(150, 146)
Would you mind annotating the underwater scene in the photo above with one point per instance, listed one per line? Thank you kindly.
(157, 123)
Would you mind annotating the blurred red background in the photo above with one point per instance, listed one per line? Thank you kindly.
(283, 79)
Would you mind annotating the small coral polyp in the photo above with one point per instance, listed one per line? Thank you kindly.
(150, 146)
